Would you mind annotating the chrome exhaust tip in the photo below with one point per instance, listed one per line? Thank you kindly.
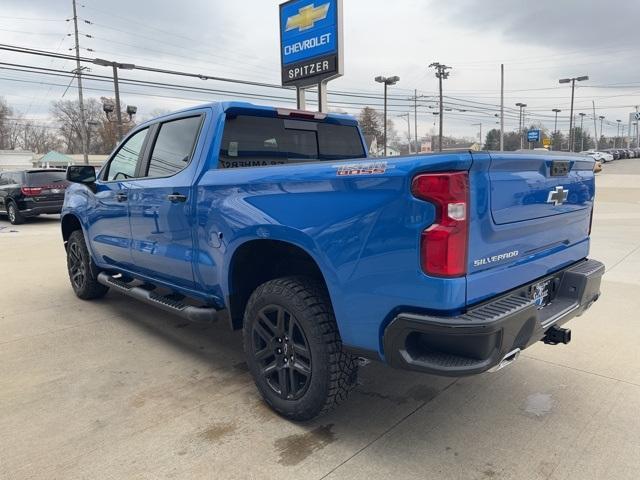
(508, 359)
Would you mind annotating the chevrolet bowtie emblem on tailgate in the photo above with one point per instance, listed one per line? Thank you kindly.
(307, 17)
(558, 196)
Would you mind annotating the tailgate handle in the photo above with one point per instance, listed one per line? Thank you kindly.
(560, 168)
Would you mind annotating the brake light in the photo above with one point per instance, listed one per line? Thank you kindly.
(287, 112)
(443, 246)
(31, 191)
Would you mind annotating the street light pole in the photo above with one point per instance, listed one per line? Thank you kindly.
(115, 66)
(573, 87)
(118, 109)
(555, 125)
(581, 131)
(441, 74)
(386, 81)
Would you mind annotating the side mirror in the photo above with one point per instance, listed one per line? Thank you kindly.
(85, 174)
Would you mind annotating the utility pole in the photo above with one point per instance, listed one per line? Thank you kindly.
(480, 125)
(521, 123)
(415, 117)
(595, 125)
(441, 74)
(502, 107)
(618, 136)
(582, 131)
(637, 132)
(408, 116)
(601, 117)
(573, 88)
(83, 125)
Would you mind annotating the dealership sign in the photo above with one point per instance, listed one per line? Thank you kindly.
(533, 135)
(310, 41)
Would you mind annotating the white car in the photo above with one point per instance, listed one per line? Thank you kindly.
(600, 156)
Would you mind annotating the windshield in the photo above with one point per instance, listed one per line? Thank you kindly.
(250, 141)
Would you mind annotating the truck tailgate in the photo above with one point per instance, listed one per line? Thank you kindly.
(530, 215)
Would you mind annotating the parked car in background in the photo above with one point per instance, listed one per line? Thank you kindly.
(29, 193)
(613, 151)
(598, 156)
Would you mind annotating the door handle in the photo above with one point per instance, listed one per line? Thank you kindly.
(177, 197)
(121, 197)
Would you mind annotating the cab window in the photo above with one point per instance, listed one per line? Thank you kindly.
(174, 146)
(123, 165)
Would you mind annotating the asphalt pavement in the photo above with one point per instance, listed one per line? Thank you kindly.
(113, 389)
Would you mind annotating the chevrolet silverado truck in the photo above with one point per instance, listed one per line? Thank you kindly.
(275, 222)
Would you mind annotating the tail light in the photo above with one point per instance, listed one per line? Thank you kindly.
(31, 191)
(443, 246)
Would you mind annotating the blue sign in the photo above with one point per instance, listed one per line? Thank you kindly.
(310, 33)
(533, 135)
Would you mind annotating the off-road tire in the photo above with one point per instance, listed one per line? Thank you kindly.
(333, 372)
(15, 217)
(82, 270)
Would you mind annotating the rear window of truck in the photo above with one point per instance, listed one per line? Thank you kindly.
(250, 141)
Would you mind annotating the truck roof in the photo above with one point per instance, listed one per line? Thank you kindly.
(254, 109)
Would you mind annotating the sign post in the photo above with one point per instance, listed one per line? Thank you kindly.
(311, 46)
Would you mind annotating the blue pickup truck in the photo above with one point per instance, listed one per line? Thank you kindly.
(276, 222)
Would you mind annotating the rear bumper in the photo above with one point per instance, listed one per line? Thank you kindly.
(33, 209)
(478, 340)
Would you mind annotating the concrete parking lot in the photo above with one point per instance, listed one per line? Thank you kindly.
(115, 389)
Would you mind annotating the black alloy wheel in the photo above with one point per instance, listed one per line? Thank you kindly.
(282, 352)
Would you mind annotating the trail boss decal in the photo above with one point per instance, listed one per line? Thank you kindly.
(372, 168)
(495, 258)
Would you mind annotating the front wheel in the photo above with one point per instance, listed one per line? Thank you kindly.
(81, 269)
(293, 348)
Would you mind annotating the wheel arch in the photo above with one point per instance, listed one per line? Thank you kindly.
(69, 223)
(257, 261)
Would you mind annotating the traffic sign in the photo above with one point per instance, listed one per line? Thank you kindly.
(310, 41)
(533, 135)
(546, 142)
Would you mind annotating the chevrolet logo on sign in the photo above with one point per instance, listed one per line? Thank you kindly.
(307, 17)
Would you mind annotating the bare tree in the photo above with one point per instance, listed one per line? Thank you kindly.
(67, 115)
(40, 138)
(6, 112)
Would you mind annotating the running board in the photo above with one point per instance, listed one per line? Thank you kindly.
(168, 304)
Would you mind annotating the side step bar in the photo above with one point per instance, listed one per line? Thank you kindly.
(188, 312)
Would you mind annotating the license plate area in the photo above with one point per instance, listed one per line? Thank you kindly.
(542, 292)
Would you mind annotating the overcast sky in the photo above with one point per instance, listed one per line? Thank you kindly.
(538, 41)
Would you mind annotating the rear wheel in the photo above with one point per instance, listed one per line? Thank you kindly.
(81, 269)
(15, 217)
(293, 348)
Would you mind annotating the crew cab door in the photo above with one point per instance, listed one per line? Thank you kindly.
(108, 224)
(161, 202)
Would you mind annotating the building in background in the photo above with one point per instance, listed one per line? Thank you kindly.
(16, 159)
(55, 159)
